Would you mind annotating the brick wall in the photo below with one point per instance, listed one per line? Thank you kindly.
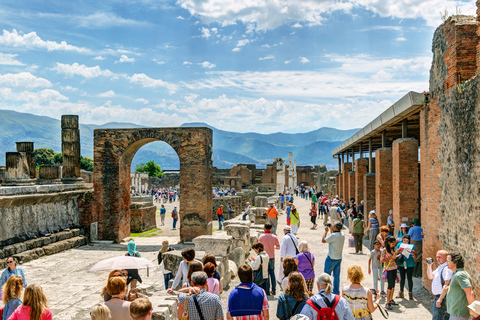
(369, 192)
(351, 185)
(361, 169)
(142, 218)
(347, 166)
(340, 186)
(243, 172)
(383, 190)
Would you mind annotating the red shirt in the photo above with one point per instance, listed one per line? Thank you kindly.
(269, 242)
(220, 211)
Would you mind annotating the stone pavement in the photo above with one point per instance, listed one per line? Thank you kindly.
(72, 291)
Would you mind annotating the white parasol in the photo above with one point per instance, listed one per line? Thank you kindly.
(122, 262)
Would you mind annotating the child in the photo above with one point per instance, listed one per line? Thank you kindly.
(475, 310)
(167, 275)
(375, 265)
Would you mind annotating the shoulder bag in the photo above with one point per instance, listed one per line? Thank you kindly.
(258, 274)
(185, 310)
(198, 307)
(287, 316)
(311, 264)
(296, 249)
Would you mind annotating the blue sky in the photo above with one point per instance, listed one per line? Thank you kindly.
(239, 65)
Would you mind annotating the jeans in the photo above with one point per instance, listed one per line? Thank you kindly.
(271, 277)
(244, 217)
(373, 236)
(175, 223)
(406, 273)
(274, 223)
(358, 237)
(332, 265)
(167, 278)
(377, 275)
(220, 220)
(440, 313)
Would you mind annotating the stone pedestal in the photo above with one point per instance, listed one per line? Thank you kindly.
(261, 201)
(70, 149)
(17, 171)
(369, 193)
(218, 245)
(258, 215)
(383, 189)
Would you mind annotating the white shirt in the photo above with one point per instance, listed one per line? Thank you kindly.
(437, 281)
(287, 249)
(335, 245)
(264, 262)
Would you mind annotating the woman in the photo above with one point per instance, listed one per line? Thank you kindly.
(406, 268)
(119, 308)
(403, 231)
(289, 266)
(313, 215)
(383, 235)
(34, 305)
(305, 262)
(133, 275)
(113, 273)
(388, 256)
(193, 267)
(294, 220)
(357, 230)
(211, 258)
(188, 255)
(174, 216)
(100, 312)
(167, 274)
(213, 285)
(260, 264)
(12, 270)
(359, 298)
(372, 228)
(11, 295)
(291, 302)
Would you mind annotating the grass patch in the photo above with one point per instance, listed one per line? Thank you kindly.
(214, 229)
(150, 233)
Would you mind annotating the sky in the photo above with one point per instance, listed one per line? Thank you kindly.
(238, 65)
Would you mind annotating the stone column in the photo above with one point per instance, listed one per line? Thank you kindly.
(71, 149)
(27, 150)
(383, 184)
(340, 186)
(361, 166)
(351, 185)
(369, 192)
(347, 166)
(405, 180)
(17, 169)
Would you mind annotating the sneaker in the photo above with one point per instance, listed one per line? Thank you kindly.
(400, 295)
(383, 294)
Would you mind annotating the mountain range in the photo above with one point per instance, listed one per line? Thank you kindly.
(229, 148)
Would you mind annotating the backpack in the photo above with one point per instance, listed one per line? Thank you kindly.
(327, 313)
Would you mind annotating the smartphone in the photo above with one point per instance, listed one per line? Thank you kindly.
(429, 260)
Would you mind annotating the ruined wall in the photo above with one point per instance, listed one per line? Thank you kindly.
(142, 217)
(171, 179)
(243, 171)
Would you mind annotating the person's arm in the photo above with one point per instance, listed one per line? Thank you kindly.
(372, 305)
(339, 215)
(256, 263)
(368, 228)
(430, 274)
(443, 294)
(180, 309)
(369, 265)
(283, 249)
(229, 317)
(220, 287)
(280, 312)
(277, 243)
(469, 294)
(266, 315)
(178, 277)
(325, 235)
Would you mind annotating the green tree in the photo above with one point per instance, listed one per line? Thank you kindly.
(153, 169)
(58, 158)
(86, 163)
(44, 156)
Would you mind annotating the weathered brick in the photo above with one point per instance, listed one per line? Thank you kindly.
(384, 188)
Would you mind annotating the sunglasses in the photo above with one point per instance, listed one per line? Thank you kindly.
(10, 262)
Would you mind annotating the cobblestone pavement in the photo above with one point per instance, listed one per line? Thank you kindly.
(72, 291)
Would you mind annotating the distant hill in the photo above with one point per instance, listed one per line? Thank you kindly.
(229, 148)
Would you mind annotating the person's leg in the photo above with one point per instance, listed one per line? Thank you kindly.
(435, 310)
(325, 219)
(294, 229)
(410, 282)
(271, 277)
(375, 273)
(357, 237)
(442, 311)
(219, 222)
(288, 222)
(391, 278)
(174, 223)
(274, 223)
(336, 276)
(328, 267)
(402, 281)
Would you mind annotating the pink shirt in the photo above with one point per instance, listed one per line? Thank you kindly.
(269, 241)
(213, 285)
(23, 313)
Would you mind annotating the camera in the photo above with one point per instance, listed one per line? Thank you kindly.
(429, 260)
(328, 224)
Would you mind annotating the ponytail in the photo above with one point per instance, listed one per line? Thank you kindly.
(328, 289)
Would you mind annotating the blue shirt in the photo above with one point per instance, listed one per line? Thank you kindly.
(7, 273)
(163, 210)
(342, 309)
(415, 233)
(289, 209)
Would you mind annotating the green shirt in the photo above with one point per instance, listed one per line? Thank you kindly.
(457, 304)
(357, 225)
(293, 217)
(410, 260)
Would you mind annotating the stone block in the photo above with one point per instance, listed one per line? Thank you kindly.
(261, 201)
(233, 269)
(172, 259)
(9, 251)
(237, 255)
(238, 231)
(19, 247)
(218, 245)
(94, 231)
(237, 221)
(2, 255)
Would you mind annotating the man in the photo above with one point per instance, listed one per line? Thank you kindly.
(390, 223)
(207, 303)
(416, 237)
(220, 217)
(361, 207)
(163, 211)
(460, 293)
(289, 248)
(247, 300)
(335, 214)
(141, 309)
(260, 263)
(282, 201)
(440, 281)
(338, 304)
(270, 243)
(247, 211)
(230, 210)
(272, 217)
(335, 249)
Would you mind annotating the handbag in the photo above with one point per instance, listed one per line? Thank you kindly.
(384, 275)
(133, 294)
(185, 310)
(258, 274)
(351, 242)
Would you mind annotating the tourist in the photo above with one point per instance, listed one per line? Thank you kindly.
(294, 220)
(100, 312)
(119, 308)
(383, 235)
(175, 218)
(247, 300)
(352, 212)
(247, 211)
(314, 198)
(335, 214)
(292, 301)
(403, 231)
(372, 228)
(341, 205)
(282, 201)
(288, 248)
(34, 305)
(213, 285)
(288, 267)
(387, 257)
(325, 211)
(167, 274)
(375, 267)
(390, 223)
(440, 280)
(272, 217)
(406, 269)
(306, 262)
(288, 210)
(11, 295)
(133, 275)
(416, 235)
(188, 256)
(114, 273)
(141, 309)
(202, 305)
(163, 211)
(357, 230)
(336, 302)
(460, 293)
(358, 297)
(313, 215)
(361, 208)
(194, 266)
(12, 270)
(270, 243)
(230, 210)
(211, 258)
(260, 265)
(475, 310)
(220, 217)
(335, 250)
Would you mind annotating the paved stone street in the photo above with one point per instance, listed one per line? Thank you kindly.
(72, 291)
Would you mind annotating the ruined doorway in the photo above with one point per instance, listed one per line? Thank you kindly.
(114, 150)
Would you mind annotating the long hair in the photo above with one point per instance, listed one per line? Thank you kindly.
(289, 266)
(296, 286)
(325, 278)
(110, 275)
(35, 298)
(194, 266)
(389, 240)
(12, 289)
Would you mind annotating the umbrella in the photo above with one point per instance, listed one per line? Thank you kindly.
(122, 262)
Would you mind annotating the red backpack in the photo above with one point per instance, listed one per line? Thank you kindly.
(327, 313)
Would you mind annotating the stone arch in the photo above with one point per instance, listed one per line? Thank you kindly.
(113, 153)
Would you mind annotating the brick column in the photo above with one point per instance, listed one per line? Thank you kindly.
(361, 169)
(383, 184)
(369, 192)
(351, 185)
(337, 181)
(70, 148)
(347, 166)
(405, 180)
(340, 186)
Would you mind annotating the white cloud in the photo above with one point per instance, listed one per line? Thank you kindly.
(265, 46)
(124, 58)
(10, 59)
(158, 62)
(304, 60)
(287, 62)
(108, 94)
(207, 65)
(23, 79)
(205, 32)
(142, 100)
(297, 25)
(243, 42)
(267, 58)
(187, 63)
(147, 82)
(401, 39)
(94, 21)
(82, 70)
(236, 49)
(99, 58)
(32, 41)
(180, 18)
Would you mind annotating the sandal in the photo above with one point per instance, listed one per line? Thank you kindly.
(393, 303)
